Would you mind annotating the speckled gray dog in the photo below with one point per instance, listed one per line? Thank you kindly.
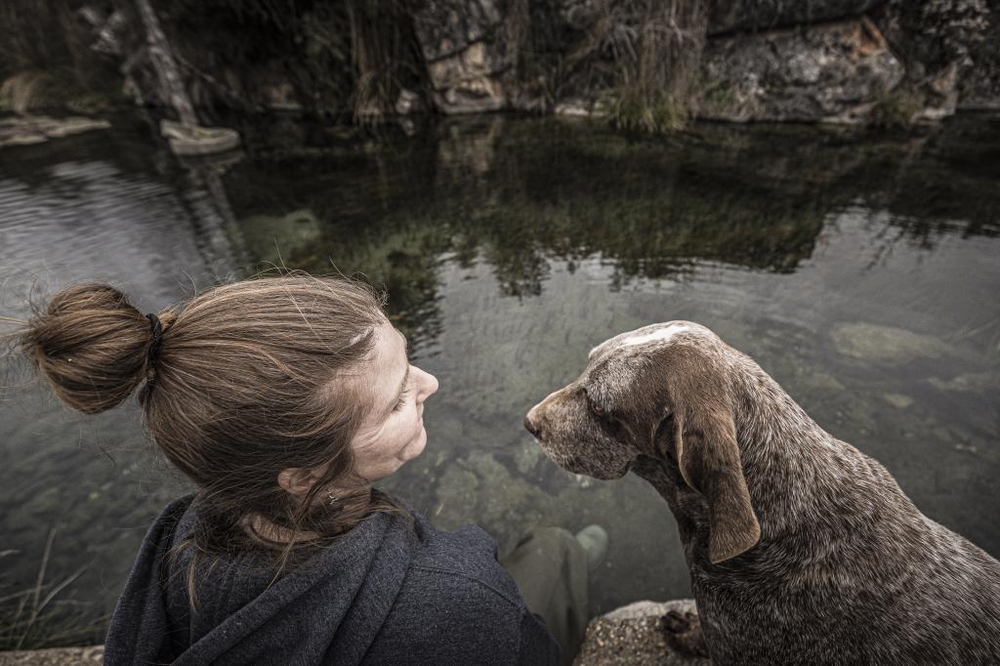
(802, 550)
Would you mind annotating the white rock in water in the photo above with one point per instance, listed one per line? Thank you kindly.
(885, 344)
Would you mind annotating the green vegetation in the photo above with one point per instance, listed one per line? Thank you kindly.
(716, 97)
(897, 110)
(640, 58)
(632, 110)
(40, 616)
(657, 47)
(46, 61)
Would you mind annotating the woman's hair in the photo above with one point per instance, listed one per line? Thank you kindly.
(246, 380)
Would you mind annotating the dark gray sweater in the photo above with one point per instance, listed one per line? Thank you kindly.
(390, 591)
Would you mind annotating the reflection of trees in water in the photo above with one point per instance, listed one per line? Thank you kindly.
(519, 195)
(940, 184)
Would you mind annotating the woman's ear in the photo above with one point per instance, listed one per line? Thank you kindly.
(298, 481)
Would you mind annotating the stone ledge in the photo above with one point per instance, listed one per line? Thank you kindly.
(628, 636)
(27, 130)
(633, 635)
(76, 656)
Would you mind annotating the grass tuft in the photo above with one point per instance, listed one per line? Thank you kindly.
(896, 110)
(37, 617)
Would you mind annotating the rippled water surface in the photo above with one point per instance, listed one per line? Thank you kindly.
(862, 272)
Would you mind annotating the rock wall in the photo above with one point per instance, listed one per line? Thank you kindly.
(951, 49)
(833, 72)
(979, 88)
(470, 56)
(763, 60)
(750, 15)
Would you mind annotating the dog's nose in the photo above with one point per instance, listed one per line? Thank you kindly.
(529, 425)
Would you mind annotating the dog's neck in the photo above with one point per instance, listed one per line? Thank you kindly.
(769, 423)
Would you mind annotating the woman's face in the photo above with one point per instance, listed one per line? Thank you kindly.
(393, 432)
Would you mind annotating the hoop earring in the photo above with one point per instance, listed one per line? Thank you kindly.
(331, 499)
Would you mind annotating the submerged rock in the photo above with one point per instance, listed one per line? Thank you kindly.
(973, 382)
(272, 237)
(898, 400)
(885, 344)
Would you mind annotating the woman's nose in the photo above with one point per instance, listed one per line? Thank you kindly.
(428, 384)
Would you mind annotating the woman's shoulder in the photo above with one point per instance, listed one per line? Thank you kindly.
(461, 547)
(457, 605)
(468, 554)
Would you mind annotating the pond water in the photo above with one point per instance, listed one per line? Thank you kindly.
(861, 271)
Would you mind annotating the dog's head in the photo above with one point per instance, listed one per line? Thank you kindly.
(661, 391)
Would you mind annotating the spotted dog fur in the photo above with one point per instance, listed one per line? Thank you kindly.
(802, 550)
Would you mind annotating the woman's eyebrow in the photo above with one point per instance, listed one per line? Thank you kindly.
(402, 385)
(406, 375)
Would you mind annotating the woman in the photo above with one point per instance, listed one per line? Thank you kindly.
(283, 400)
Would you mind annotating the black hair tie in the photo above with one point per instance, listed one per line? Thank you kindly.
(157, 328)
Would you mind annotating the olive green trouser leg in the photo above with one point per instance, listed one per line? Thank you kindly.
(550, 568)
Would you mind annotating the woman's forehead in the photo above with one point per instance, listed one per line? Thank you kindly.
(390, 355)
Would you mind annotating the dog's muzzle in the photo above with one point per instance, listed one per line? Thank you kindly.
(530, 425)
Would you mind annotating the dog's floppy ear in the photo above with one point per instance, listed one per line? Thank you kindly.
(709, 461)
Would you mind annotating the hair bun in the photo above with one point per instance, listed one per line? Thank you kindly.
(91, 345)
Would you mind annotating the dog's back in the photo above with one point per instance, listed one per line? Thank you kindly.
(847, 570)
(859, 576)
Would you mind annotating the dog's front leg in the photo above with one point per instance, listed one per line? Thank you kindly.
(683, 633)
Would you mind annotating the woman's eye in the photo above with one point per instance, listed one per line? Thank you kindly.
(403, 397)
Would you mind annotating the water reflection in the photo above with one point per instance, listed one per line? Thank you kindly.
(106, 207)
(511, 247)
(519, 195)
(860, 272)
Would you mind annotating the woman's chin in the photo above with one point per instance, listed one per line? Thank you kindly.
(415, 447)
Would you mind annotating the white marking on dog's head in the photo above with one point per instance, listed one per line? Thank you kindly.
(655, 333)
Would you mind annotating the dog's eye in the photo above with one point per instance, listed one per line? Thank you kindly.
(594, 408)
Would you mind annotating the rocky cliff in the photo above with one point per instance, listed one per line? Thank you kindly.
(881, 61)
(761, 60)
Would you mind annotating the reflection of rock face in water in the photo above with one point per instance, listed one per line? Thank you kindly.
(885, 344)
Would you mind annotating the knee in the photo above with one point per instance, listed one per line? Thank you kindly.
(554, 540)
